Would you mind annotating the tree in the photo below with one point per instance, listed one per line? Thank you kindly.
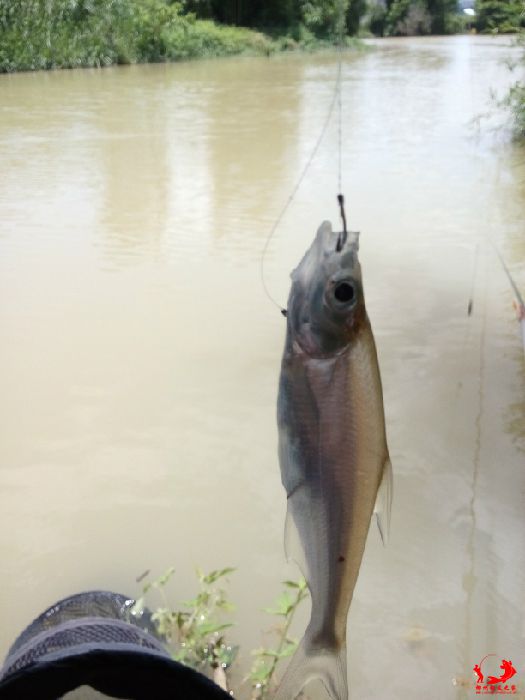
(325, 18)
(397, 11)
(410, 17)
(200, 8)
(248, 13)
(356, 10)
(440, 11)
(499, 15)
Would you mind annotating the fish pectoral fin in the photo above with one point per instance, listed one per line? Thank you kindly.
(383, 504)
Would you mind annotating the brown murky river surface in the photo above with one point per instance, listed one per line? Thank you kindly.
(139, 356)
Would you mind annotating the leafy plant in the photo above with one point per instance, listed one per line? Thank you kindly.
(514, 101)
(266, 659)
(325, 18)
(39, 34)
(195, 630)
(499, 16)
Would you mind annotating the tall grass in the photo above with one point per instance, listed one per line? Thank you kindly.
(38, 34)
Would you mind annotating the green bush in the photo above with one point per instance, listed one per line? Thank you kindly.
(396, 14)
(325, 18)
(499, 16)
(442, 14)
(376, 19)
(40, 34)
(457, 23)
(355, 13)
(412, 17)
(515, 98)
(205, 38)
(196, 631)
(416, 21)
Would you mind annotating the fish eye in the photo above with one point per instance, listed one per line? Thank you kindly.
(344, 292)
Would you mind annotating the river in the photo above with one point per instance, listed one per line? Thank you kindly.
(139, 355)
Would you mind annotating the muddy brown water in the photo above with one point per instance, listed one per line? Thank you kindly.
(139, 355)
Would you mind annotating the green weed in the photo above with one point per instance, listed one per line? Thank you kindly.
(195, 631)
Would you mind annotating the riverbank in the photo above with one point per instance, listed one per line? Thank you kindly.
(49, 34)
(96, 34)
(116, 33)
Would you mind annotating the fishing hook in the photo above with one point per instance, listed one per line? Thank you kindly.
(341, 239)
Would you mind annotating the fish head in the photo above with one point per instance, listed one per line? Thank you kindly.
(326, 306)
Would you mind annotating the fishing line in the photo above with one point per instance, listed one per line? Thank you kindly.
(340, 115)
(340, 197)
(473, 282)
(336, 99)
(470, 549)
(519, 304)
(470, 545)
(513, 284)
(294, 191)
(466, 336)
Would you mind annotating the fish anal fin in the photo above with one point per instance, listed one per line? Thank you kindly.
(383, 504)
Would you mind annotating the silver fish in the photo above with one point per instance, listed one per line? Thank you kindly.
(333, 452)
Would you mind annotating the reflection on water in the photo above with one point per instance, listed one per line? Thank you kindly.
(134, 167)
(140, 356)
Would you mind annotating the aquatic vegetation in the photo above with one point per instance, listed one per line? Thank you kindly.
(195, 631)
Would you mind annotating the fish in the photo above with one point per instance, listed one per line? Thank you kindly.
(333, 453)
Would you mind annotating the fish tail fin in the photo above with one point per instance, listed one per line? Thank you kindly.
(311, 664)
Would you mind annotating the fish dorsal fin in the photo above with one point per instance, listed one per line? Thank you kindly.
(383, 504)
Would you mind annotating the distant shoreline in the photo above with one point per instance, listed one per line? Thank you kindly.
(96, 33)
(95, 43)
